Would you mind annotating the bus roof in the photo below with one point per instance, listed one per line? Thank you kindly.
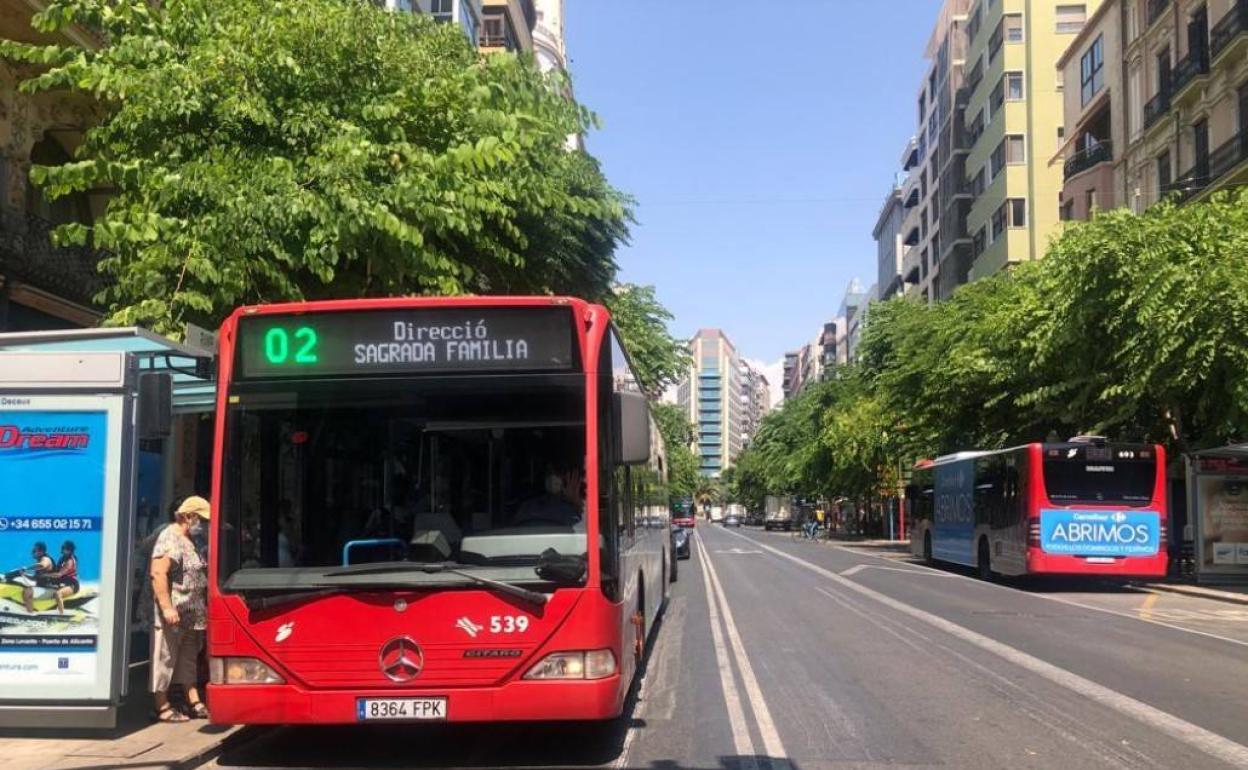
(375, 303)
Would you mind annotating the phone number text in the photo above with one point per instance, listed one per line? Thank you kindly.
(58, 524)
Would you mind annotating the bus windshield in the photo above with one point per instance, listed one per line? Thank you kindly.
(480, 470)
(1082, 479)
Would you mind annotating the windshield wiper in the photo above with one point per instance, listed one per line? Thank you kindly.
(435, 568)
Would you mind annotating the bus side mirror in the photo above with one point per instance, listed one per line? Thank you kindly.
(633, 420)
(155, 418)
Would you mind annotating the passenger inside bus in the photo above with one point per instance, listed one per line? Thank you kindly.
(453, 478)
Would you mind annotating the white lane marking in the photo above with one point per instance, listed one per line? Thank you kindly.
(762, 714)
(1049, 597)
(738, 551)
(1031, 705)
(854, 570)
(1193, 735)
(741, 740)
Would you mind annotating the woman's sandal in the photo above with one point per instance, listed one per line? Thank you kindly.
(169, 714)
(198, 710)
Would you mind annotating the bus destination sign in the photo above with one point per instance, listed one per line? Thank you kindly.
(406, 341)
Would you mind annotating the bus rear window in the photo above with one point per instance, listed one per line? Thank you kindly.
(1080, 480)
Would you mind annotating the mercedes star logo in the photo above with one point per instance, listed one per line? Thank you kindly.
(401, 659)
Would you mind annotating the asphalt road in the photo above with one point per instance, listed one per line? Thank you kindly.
(782, 654)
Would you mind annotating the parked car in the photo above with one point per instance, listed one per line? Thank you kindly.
(732, 520)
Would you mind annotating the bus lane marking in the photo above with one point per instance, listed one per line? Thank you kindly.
(741, 740)
(1209, 742)
(762, 714)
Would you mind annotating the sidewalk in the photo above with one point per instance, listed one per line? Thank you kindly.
(137, 742)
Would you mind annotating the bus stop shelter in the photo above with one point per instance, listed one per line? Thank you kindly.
(1217, 488)
(100, 431)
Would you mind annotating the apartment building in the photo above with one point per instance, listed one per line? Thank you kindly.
(711, 396)
(1094, 115)
(507, 25)
(889, 244)
(934, 196)
(1186, 69)
(1014, 122)
(42, 286)
(854, 310)
(755, 401)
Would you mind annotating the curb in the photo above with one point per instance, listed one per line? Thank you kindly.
(1205, 593)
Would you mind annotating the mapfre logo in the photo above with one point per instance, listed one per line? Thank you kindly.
(13, 437)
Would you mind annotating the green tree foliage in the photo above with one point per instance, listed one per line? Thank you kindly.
(660, 359)
(262, 150)
(682, 463)
(1133, 326)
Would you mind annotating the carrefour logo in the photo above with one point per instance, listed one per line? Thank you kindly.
(13, 437)
(1100, 533)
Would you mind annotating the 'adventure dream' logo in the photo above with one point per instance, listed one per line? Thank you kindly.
(13, 437)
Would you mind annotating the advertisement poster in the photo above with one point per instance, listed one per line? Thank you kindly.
(1100, 533)
(53, 503)
(1224, 522)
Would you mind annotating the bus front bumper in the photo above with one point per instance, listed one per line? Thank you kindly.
(517, 701)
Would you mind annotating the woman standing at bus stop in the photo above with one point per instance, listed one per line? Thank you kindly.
(180, 586)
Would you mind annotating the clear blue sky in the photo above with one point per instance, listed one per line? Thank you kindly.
(759, 139)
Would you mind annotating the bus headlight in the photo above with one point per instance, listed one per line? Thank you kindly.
(594, 664)
(242, 671)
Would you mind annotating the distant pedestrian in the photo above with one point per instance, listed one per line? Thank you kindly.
(180, 587)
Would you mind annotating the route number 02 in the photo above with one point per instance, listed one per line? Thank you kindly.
(278, 347)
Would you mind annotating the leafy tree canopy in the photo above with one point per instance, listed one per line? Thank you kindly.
(261, 150)
(660, 359)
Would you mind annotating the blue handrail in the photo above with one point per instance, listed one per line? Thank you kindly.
(346, 549)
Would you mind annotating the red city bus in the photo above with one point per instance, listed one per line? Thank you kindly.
(1085, 507)
(407, 493)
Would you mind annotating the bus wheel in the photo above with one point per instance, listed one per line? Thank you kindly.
(927, 547)
(985, 560)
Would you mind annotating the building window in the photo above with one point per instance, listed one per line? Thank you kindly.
(972, 27)
(1163, 172)
(1018, 212)
(1200, 149)
(1013, 28)
(978, 185)
(1135, 115)
(1067, 211)
(998, 159)
(977, 126)
(996, 99)
(1090, 200)
(978, 242)
(998, 222)
(1091, 66)
(442, 10)
(994, 42)
(468, 19)
(1070, 18)
(1014, 86)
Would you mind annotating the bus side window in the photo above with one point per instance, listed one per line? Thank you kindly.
(608, 491)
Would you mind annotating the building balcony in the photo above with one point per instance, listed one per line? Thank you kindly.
(1190, 70)
(1155, 9)
(1156, 108)
(1228, 35)
(1205, 174)
(27, 254)
(1086, 159)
